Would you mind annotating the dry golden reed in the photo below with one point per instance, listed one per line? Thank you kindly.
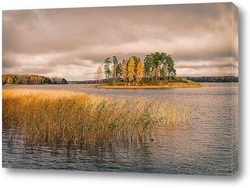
(64, 117)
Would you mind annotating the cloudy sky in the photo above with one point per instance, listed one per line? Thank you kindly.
(72, 43)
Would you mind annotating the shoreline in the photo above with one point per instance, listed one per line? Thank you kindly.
(150, 87)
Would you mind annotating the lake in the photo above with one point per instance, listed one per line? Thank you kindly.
(208, 145)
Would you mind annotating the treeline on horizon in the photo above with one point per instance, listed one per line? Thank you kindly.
(214, 79)
(31, 79)
(195, 79)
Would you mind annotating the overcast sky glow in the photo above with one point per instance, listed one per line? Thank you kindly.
(72, 43)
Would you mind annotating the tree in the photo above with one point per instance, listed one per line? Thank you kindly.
(107, 70)
(9, 80)
(170, 65)
(131, 69)
(124, 70)
(115, 69)
(136, 59)
(147, 68)
(156, 62)
(115, 60)
(64, 81)
(149, 65)
(119, 70)
(139, 71)
(163, 72)
(154, 72)
(159, 62)
(115, 65)
(99, 74)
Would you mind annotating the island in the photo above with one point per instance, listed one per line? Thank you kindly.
(155, 71)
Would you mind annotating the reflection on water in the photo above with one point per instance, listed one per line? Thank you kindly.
(207, 145)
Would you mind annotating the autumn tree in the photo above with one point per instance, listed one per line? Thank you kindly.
(131, 69)
(139, 71)
(10, 80)
(57, 80)
(124, 70)
(99, 74)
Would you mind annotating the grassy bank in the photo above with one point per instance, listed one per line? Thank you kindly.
(159, 84)
(151, 86)
(64, 117)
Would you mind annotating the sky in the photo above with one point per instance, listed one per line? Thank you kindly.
(71, 43)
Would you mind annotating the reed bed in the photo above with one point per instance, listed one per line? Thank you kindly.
(64, 117)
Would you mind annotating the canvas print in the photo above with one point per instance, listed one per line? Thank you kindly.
(147, 89)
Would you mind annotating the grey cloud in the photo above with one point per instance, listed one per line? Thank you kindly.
(84, 37)
(51, 30)
(217, 66)
(204, 65)
(9, 62)
(28, 70)
(206, 55)
(69, 61)
(38, 70)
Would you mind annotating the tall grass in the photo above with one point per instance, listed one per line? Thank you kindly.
(64, 117)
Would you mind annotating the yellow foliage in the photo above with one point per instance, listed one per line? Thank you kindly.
(124, 70)
(99, 74)
(131, 69)
(139, 72)
(115, 66)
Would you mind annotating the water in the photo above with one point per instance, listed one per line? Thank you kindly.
(208, 145)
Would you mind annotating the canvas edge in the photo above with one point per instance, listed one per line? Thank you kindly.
(235, 52)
